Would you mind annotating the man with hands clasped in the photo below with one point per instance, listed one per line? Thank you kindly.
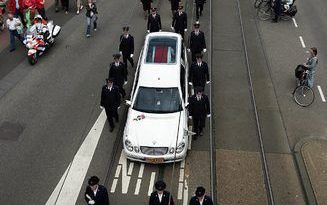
(95, 193)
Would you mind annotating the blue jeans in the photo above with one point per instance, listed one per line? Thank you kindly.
(89, 21)
(311, 77)
(13, 34)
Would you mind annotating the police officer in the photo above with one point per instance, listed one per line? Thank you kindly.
(154, 21)
(160, 196)
(95, 193)
(110, 101)
(199, 109)
(118, 72)
(199, 8)
(199, 72)
(197, 42)
(277, 10)
(179, 24)
(126, 46)
(200, 198)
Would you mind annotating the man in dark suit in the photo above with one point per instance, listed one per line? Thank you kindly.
(199, 109)
(160, 196)
(200, 198)
(96, 194)
(118, 72)
(146, 7)
(197, 42)
(174, 5)
(199, 8)
(126, 46)
(154, 21)
(179, 24)
(110, 101)
(199, 72)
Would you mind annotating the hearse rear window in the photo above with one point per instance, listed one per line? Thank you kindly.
(162, 50)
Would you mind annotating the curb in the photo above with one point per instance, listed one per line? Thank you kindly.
(300, 163)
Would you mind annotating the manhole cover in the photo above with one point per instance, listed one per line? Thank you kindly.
(10, 131)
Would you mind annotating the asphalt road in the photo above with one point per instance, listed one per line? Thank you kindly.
(53, 105)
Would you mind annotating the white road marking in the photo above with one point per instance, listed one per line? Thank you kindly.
(141, 171)
(181, 175)
(113, 186)
(70, 187)
(125, 178)
(153, 175)
(180, 191)
(56, 192)
(294, 21)
(185, 197)
(183, 164)
(321, 94)
(138, 186)
(118, 169)
(130, 169)
(302, 41)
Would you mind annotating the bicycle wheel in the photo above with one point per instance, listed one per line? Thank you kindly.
(303, 95)
(264, 11)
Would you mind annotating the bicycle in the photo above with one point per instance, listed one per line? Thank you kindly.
(303, 95)
(265, 10)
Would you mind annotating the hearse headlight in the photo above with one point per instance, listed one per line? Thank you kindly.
(136, 149)
(128, 145)
(180, 147)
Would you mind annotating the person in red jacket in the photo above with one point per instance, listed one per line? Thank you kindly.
(16, 7)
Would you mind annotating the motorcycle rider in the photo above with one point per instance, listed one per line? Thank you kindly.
(40, 27)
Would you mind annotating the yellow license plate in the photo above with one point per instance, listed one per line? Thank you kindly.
(154, 160)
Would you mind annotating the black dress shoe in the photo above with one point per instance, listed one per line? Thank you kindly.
(111, 129)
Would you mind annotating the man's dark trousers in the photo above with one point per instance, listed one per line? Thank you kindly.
(13, 34)
(112, 113)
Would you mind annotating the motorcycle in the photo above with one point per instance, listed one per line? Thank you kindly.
(38, 43)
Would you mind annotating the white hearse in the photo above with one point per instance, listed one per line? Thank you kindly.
(156, 129)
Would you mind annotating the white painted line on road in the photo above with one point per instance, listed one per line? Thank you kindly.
(153, 176)
(302, 41)
(321, 94)
(55, 193)
(125, 178)
(180, 191)
(294, 21)
(75, 176)
(138, 186)
(181, 175)
(130, 169)
(118, 169)
(190, 138)
(141, 171)
(185, 196)
(113, 186)
(183, 164)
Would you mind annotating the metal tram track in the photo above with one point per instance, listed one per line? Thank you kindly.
(265, 169)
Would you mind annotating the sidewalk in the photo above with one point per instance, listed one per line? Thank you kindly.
(312, 160)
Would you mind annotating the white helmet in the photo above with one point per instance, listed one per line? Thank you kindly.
(38, 17)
